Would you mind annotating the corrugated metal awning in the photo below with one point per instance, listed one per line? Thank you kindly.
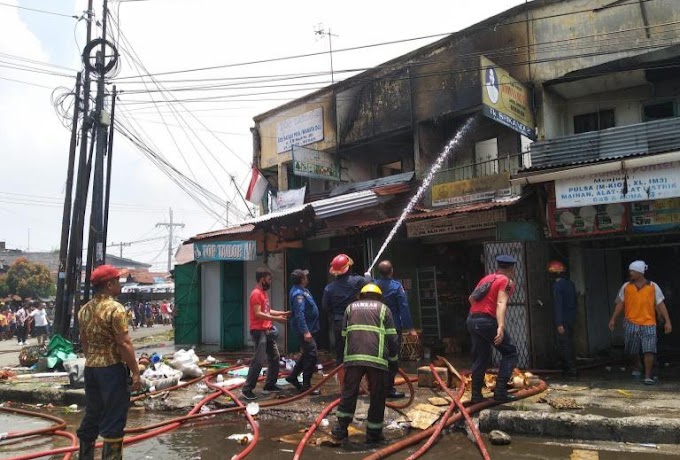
(344, 203)
(474, 207)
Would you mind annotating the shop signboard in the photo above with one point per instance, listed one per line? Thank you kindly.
(655, 216)
(636, 184)
(225, 251)
(289, 199)
(588, 220)
(303, 129)
(505, 100)
(471, 190)
(315, 164)
(464, 222)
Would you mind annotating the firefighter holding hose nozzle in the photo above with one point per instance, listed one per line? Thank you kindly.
(370, 346)
(337, 296)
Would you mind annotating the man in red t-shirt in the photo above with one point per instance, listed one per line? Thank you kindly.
(486, 324)
(264, 335)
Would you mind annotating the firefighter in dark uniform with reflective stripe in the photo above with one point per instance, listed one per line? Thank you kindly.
(370, 345)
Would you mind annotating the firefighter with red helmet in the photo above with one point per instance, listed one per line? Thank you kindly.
(338, 295)
(564, 302)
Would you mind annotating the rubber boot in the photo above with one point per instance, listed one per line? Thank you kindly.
(86, 450)
(306, 385)
(339, 430)
(113, 449)
(374, 436)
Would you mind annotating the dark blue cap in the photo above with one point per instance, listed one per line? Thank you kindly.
(506, 259)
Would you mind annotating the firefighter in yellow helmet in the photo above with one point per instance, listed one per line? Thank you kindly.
(370, 346)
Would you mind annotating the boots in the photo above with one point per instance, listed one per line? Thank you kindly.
(306, 385)
(374, 436)
(339, 430)
(86, 450)
(113, 449)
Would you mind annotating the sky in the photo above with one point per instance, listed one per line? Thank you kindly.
(204, 133)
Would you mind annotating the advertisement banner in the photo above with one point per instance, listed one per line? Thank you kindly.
(637, 184)
(301, 130)
(315, 164)
(655, 216)
(225, 250)
(506, 100)
(289, 199)
(586, 220)
(471, 190)
(456, 223)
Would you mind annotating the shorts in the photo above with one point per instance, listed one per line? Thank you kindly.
(639, 338)
(41, 330)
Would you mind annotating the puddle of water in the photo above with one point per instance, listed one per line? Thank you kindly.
(208, 440)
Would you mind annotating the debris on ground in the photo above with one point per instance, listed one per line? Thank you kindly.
(499, 438)
(562, 403)
(423, 416)
(437, 401)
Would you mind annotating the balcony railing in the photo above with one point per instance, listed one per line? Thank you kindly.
(509, 163)
(622, 141)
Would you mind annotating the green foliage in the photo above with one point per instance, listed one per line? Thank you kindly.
(4, 288)
(28, 279)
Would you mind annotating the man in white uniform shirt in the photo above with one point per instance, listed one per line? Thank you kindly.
(40, 323)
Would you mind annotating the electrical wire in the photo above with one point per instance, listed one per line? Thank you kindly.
(36, 10)
(485, 25)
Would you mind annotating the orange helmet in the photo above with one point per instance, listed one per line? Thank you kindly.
(555, 266)
(340, 264)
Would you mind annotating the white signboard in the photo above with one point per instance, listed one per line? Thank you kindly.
(637, 184)
(457, 223)
(289, 199)
(301, 130)
(315, 164)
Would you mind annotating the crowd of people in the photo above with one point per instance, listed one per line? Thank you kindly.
(26, 320)
(146, 314)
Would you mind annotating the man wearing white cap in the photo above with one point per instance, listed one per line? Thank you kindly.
(640, 300)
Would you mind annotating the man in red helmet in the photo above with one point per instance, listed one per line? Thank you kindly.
(109, 360)
(564, 302)
(338, 295)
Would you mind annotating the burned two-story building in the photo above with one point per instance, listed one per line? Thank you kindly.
(343, 162)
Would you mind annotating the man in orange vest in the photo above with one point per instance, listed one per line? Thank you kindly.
(640, 300)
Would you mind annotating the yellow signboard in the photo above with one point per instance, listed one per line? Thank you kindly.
(470, 190)
(506, 100)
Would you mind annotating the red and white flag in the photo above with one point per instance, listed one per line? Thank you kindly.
(257, 187)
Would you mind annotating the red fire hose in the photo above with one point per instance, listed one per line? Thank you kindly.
(251, 420)
(60, 424)
(313, 427)
(417, 437)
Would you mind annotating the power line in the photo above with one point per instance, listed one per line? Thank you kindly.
(36, 10)
(373, 45)
(26, 83)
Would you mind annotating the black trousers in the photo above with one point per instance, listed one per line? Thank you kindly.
(306, 363)
(394, 367)
(339, 342)
(377, 386)
(267, 351)
(482, 330)
(107, 398)
(566, 344)
(22, 333)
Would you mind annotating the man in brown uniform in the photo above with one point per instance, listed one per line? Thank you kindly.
(109, 359)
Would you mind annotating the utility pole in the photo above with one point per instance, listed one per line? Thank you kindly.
(170, 226)
(121, 245)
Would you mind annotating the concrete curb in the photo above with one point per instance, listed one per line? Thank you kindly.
(58, 397)
(636, 429)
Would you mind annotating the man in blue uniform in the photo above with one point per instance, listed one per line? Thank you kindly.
(337, 296)
(564, 299)
(305, 321)
(394, 296)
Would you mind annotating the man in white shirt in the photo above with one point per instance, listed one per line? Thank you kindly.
(39, 316)
(21, 325)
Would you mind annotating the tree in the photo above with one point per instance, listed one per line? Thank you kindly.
(4, 289)
(28, 279)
